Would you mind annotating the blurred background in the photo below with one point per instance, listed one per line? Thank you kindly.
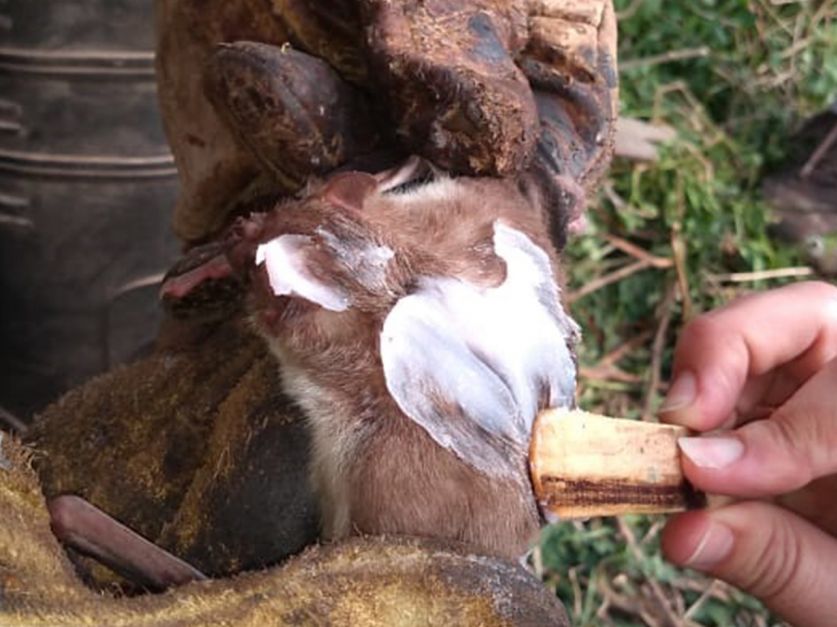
(87, 186)
(742, 197)
(736, 192)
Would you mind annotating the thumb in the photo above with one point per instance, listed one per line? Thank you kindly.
(766, 551)
(772, 456)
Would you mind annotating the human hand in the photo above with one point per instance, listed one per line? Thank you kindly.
(763, 371)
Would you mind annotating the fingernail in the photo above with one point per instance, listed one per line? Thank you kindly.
(714, 546)
(712, 451)
(682, 392)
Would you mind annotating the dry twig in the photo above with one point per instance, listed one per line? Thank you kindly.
(665, 312)
(694, 607)
(654, 585)
(603, 281)
(631, 604)
(625, 348)
(762, 275)
(665, 57)
(819, 153)
(678, 248)
(629, 11)
(609, 373)
(652, 532)
(577, 596)
(629, 248)
(607, 370)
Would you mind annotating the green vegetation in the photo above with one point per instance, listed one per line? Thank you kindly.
(735, 79)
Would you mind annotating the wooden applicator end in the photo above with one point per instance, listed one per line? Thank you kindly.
(585, 465)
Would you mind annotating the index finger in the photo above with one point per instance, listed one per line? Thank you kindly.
(793, 327)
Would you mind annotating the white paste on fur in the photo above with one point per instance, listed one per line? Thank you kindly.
(284, 258)
(366, 261)
(471, 364)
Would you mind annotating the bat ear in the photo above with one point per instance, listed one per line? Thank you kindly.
(297, 266)
(349, 190)
(473, 366)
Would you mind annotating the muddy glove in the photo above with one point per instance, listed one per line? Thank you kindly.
(484, 87)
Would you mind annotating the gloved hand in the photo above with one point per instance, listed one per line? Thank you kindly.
(487, 87)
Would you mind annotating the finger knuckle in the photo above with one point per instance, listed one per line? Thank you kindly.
(806, 434)
(703, 334)
(705, 328)
(778, 565)
(794, 440)
(712, 335)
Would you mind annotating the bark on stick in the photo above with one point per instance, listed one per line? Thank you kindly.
(585, 465)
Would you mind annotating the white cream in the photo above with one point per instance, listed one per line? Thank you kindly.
(366, 261)
(489, 351)
(284, 259)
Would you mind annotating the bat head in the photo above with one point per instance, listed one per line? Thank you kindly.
(441, 294)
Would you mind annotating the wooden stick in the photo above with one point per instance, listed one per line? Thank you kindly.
(585, 465)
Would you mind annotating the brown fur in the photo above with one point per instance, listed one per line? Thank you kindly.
(404, 482)
(378, 471)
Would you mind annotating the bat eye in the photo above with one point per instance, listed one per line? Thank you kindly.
(246, 228)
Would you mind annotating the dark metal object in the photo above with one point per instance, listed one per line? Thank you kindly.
(87, 186)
